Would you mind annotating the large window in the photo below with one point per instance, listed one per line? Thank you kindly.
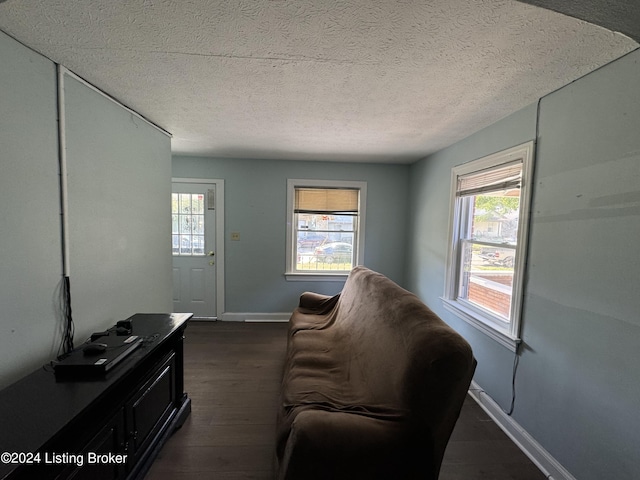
(487, 249)
(324, 227)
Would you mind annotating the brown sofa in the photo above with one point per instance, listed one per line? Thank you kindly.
(373, 385)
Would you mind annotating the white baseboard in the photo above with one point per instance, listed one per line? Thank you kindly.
(255, 317)
(548, 465)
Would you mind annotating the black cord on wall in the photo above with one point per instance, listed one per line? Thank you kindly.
(66, 346)
(516, 360)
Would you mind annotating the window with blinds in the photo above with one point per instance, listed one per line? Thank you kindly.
(485, 263)
(324, 234)
(503, 178)
(330, 201)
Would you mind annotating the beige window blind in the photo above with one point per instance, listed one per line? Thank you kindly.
(326, 200)
(505, 177)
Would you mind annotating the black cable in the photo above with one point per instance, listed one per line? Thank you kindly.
(61, 318)
(516, 360)
(66, 346)
(69, 317)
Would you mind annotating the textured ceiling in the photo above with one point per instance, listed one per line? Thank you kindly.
(354, 80)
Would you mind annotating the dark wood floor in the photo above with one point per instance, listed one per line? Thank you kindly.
(232, 374)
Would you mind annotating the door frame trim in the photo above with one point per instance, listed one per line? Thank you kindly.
(219, 187)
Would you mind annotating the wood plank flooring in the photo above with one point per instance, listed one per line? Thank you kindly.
(232, 374)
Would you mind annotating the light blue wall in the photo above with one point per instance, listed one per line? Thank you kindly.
(119, 189)
(255, 206)
(578, 381)
(119, 215)
(30, 263)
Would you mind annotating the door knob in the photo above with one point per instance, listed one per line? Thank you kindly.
(211, 254)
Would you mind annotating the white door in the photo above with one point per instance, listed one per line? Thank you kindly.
(193, 239)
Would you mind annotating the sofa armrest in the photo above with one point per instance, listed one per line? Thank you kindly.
(339, 445)
(316, 303)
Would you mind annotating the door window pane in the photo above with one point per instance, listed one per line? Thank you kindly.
(187, 224)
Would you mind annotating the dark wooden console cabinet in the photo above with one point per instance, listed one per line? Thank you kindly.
(105, 427)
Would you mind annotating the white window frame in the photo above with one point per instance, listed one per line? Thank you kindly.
(506, 333)
(358, 254)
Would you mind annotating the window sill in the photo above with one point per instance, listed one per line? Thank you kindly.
(471, 317)
(316, 277)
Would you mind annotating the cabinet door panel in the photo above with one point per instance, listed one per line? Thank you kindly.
(154, 404)
(110, 440)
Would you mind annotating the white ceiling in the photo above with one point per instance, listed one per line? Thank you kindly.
(351, 80)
